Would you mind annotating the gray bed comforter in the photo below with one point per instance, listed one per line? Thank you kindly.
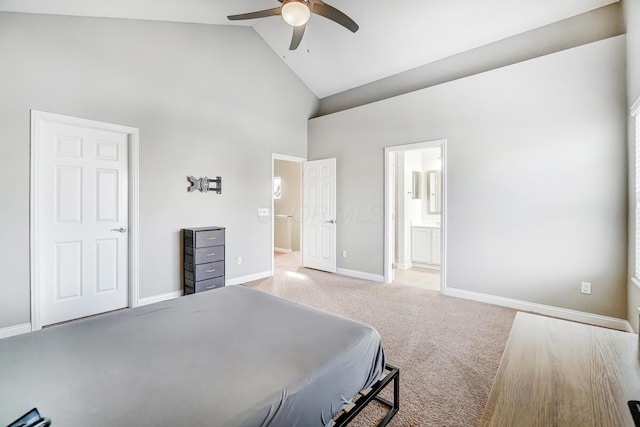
(230, 357)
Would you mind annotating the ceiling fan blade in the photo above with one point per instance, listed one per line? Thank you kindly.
(254, 15)
(330, 12)
(298, 32)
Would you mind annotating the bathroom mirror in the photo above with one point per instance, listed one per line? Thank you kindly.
(416, 177)
(434, 192)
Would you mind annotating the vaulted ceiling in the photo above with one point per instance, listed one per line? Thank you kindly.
(394, 36)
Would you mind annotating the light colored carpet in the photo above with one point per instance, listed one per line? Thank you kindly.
(448, 349)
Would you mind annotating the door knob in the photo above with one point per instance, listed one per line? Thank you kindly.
(119, 230)
(331, 221)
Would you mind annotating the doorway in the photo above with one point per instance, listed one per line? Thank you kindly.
(287, 213)
(415, 220)
(84, 211)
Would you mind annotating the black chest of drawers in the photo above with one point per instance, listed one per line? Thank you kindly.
(203, 259)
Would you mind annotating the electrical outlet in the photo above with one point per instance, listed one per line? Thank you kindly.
(239, 260)
(585, 288)
(344, 254)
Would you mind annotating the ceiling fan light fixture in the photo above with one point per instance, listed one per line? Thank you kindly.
(296, 13)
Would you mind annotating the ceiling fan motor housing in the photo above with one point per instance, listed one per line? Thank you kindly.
(295, 12)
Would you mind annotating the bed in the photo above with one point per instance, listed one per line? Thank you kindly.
(230, 357)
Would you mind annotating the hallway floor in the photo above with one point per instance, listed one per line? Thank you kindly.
(286, 261)
(417, 277)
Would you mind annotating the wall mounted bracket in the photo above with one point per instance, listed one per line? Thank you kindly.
(205, 184)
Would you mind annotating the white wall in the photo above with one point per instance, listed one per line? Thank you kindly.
(632, 19)
(431, 160)
(536, 176)
(402, 242)
(208, 100)
(413, 205)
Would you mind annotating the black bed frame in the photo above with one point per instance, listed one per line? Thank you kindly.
(363, 400)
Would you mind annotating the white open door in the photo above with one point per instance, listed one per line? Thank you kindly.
(319, 215)
(81, 220)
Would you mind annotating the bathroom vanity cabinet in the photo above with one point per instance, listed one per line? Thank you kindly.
(425, 246)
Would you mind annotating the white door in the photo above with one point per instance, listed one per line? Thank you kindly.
(82, 220)
(319, 215)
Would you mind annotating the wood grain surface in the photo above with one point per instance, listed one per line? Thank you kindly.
(559, 373)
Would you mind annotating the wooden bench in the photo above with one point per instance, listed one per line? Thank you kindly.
(560, 373)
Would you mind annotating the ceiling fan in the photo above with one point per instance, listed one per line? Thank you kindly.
(297, 13)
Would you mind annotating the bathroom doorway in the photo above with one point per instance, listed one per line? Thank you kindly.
(414, 215)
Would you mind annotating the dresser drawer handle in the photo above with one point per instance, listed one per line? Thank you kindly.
(211, 287)
(211, 271)
(211, 238)
(212, 254)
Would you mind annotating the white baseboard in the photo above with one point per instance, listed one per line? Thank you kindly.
(404, 266)
(250, 278)
(360, 274)
(159, 298)
(178, 294)
(547, 310)
(11, 331)
(284, 251)
(426, 266)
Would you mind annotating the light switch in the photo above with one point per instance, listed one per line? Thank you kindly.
(263, 211)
